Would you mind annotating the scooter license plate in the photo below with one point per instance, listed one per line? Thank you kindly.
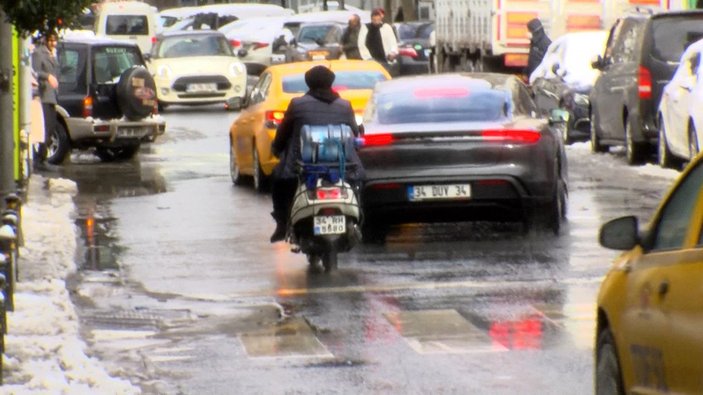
(329, 224)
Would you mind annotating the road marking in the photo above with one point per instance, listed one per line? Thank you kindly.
(291, 338)
(441, 332)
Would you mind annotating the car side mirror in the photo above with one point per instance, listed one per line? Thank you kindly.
(242, 53)
(147, 57)
(557, 116)
(555, 68)
(620, 234)
(597, 62)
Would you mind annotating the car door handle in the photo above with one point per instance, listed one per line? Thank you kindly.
(663, 288)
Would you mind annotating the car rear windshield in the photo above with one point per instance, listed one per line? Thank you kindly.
(319, 34)
(110, 62)
(412, 31)
(200, 45)
(672, 35)
(442, 104)
(126, 25)
(343, 80)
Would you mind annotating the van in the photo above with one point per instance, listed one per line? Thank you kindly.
(128, 20)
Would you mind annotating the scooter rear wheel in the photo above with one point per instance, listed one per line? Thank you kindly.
(329, 260)
(314, 263)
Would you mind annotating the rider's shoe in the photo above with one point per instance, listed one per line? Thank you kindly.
(279, 234)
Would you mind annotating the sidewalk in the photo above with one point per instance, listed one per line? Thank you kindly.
(44, 353)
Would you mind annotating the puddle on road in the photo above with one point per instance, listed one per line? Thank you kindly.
(292, 338)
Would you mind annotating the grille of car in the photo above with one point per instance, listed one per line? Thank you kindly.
(181, 84)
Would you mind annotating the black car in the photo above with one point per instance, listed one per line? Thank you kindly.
(459, 147)
(316, 41)
(107, 100)
(640, 58)
(414, 47)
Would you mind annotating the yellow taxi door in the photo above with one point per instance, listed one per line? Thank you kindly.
(251, 119)
(666, 299)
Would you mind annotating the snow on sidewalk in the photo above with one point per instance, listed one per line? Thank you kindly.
(44, 353)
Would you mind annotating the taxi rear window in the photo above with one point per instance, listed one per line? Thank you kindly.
(343, 80)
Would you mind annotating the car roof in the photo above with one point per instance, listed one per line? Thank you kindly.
(335, 65)
(494, 80)
(95, 40)
(180, 33)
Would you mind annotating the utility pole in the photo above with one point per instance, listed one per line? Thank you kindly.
(7, 141)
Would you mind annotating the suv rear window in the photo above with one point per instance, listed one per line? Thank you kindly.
(673, 35)
(126, 24)
(110, 62)
(343, 80)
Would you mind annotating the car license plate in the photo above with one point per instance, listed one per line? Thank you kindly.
(439, 192)
(193, 88)
(318, 55)
(329, 224)
(132, 131)
(427, 53)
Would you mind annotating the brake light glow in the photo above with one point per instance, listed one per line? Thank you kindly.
(235, 43)
(377, 139)
(644, 83)
(339, 88)
(407, 51)
(260, 45)
(328, 193)
(518, 136)
(434, 93)
(87, 106)
(273, 119)
(153, 40)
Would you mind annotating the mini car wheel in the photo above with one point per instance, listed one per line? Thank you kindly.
(260, 179)
(665, 158)
(113, 154)
(634, 151)
(58, 147)
(608, 378)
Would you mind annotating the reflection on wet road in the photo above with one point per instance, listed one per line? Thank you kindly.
(182, 293)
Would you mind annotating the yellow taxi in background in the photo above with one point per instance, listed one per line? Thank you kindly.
(254, 129)
(649, 337)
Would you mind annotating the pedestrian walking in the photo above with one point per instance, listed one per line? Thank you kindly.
(45, 65)
(377, 41)
(350, 38)
(539, 42)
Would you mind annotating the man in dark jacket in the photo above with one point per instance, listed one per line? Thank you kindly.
(350, 38)
(539, 42)
(45, 65)
(319, 106)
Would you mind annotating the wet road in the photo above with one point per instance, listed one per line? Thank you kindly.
(181, 292)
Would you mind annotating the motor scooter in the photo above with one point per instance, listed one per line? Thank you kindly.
(325, 215)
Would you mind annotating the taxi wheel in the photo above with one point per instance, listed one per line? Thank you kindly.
(260, 179)
(234, 170)
(608, 378)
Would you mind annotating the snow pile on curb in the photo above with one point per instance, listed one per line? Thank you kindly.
(43, 349)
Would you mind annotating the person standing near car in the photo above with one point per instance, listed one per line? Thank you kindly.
(45, 65)
(539, 42)
(377, 41)
(350, 38)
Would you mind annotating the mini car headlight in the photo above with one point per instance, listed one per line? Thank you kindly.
(237, 69)
(580, 99)
(164, 71)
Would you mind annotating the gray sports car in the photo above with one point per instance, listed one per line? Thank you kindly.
(460, 147)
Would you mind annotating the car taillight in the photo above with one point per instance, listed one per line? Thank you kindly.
(328, 193)
(377, 139)
(87, 106)
(273, 119)
(644, 83)
(518, 136)
(153, 40)
(235, 43)
(407, 51)
(260, 45)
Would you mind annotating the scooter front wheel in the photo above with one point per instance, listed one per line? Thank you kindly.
(329, 260)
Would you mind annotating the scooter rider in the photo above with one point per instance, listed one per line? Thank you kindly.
(319, 106)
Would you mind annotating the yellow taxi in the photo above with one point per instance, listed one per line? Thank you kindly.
(649, 337)
(254, 129)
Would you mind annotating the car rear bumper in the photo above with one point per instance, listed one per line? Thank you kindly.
(83, 130)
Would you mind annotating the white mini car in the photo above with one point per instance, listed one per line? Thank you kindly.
(197, 67)
(680, 116)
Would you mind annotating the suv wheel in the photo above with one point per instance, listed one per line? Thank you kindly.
(234, 171)
(596, 146)
(634, 151)
(136, 93)
(666, 160)
(58, 147)
(113, 154)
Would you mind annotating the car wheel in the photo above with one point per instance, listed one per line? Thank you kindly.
(665, 158)
(234, 170)
(608, 377)
(693, 148)
(136, 93)
(634, 151)
(260, 179)
(596, 145)
(113, 154)
(59, 146)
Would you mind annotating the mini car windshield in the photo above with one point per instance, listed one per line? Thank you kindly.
(343, 80)
(185, 46)
(110, 62)
(443, 104)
